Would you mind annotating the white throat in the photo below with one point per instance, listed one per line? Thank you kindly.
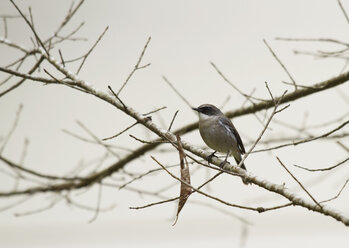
(204, 118)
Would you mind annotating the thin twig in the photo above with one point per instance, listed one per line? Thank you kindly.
(248, 97)
(93, 141)
(61, 56)
(156, 203)
(343, 10)
(27, 76)
(38, 210)
(121, 132)
(97, 139)
(117, 97)
(323, 169)
(314, 40)
(98, 204)
(275, 111)
(88, 208)
(343, 146)
(38, 174)
(91, 49)
(143, 175)
(201, 192)
(300, 184)
(176, 91)
(173, 118)
(176, 198)
(136, 67)
(305, 140)
(31, 71)
(154, 111)
(13, 128)
(31, 27)
(148, 142)
(338, 194)
(16, 203)
(68, 36)
(5, 26)
(282, 65)
(271, 95)
(70, 14)
(258, 209)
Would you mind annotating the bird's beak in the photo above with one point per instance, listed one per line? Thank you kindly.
(195, 109)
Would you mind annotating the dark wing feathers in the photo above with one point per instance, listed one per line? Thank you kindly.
(228, 124)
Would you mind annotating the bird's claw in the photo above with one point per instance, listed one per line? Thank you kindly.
(221, 165)
(209, 158)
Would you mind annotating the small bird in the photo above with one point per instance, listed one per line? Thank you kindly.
(219, 133)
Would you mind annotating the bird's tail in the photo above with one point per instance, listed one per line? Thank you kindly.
(244, 180)
(238, 162)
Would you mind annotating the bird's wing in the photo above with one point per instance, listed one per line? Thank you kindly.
(226, 122)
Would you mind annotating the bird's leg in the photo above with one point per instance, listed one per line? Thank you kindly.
(209, 158)
(225, 160)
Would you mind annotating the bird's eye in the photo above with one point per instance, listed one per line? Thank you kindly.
(205, 110)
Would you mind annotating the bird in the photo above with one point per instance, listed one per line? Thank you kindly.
(219, 133)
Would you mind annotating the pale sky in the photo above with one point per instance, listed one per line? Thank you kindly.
(185, 37)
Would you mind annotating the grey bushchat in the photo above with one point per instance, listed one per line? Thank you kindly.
(219, 133)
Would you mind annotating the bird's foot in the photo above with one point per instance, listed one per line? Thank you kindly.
(209, 158)
(245, 180)
(221, 165)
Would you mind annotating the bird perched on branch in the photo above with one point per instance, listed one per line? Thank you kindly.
(219, 133)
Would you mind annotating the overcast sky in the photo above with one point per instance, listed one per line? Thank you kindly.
(185, 37)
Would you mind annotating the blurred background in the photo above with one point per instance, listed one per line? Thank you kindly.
(185, 37)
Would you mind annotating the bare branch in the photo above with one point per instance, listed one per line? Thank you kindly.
(275, 111)
(39, 210)
(343, 146)
(176, 91)
(94, 142)
(154, 111)
(323, 169)
(148, 142)
(121, 132)
(13, 128)
(258, 209)
(305, 140)
(156, 203)
(343, 10)
(173, 118)
(338, 194)
(31, 71)
(31, 27)
(314, 40)
(282, 65)
(61, 56)
(248, 97)
(38, 174)
(200, 192)
(70, 14)
(5, 26)
(300, 184)
(91, 49)
(137, 67)
(98, 204)
(143, 175)
(98, 140)
(16, 203)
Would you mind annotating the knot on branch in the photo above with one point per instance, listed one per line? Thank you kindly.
(260, 209)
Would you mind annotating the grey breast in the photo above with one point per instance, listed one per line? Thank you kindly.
(219, 137)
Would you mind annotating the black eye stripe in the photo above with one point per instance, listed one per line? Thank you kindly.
(207, 110)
